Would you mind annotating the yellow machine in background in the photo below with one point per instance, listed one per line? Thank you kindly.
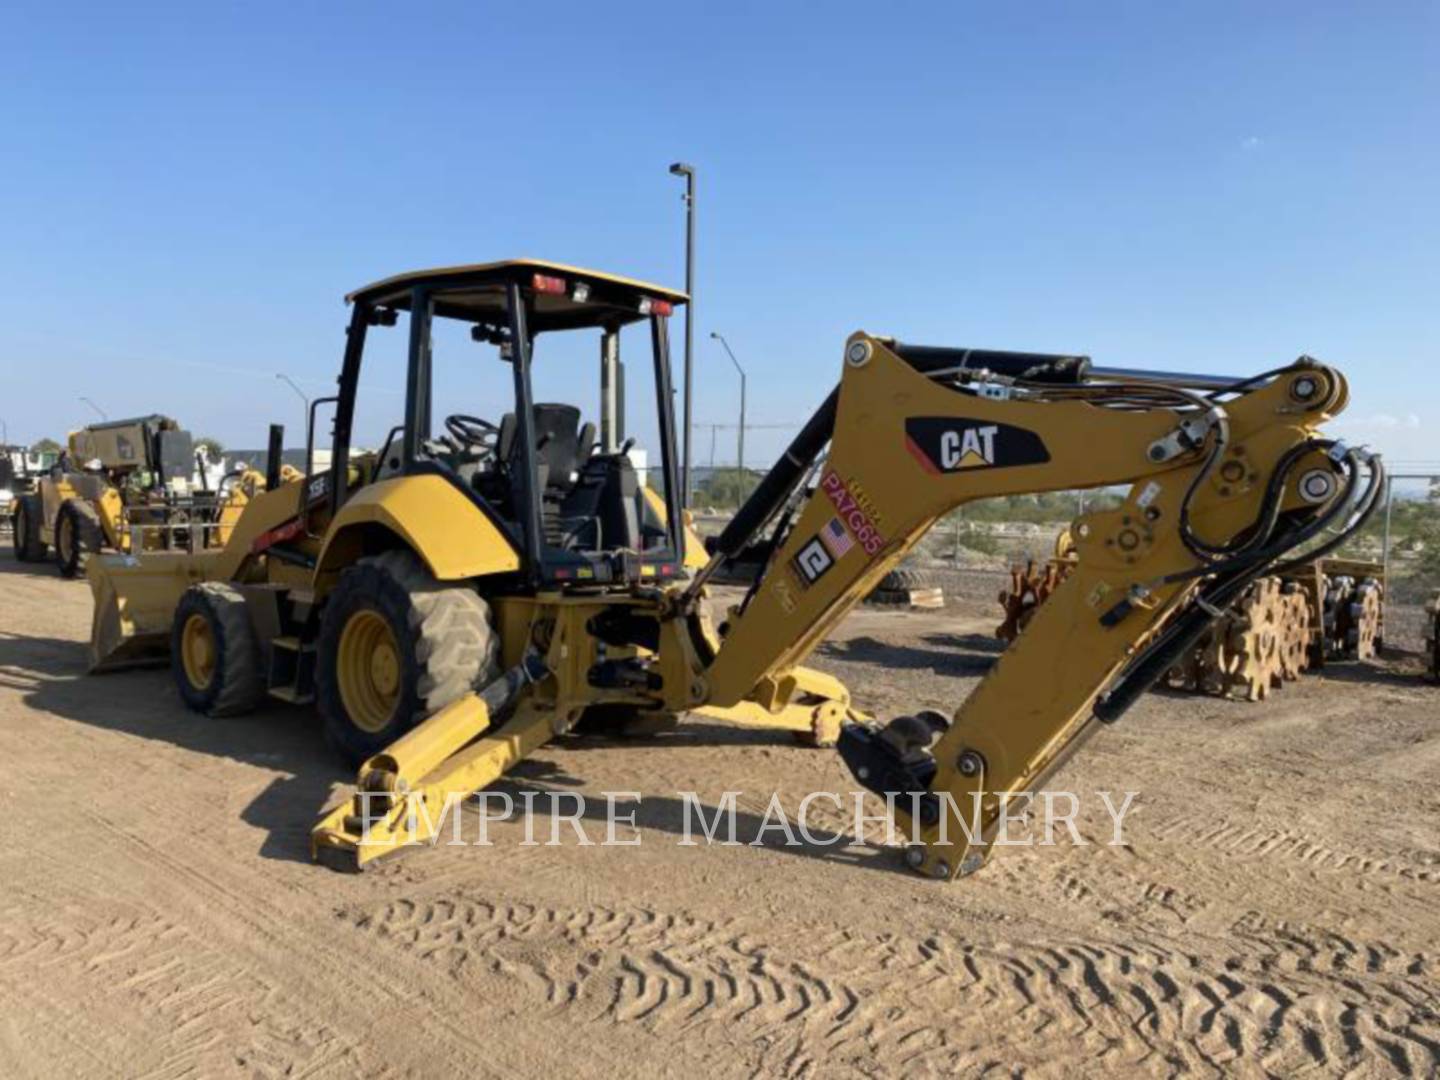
(20, 470)
(119, 480)
(456, 600)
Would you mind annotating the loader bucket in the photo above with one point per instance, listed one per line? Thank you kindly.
(135, 601)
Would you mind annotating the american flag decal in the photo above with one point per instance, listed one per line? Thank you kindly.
(836, 538)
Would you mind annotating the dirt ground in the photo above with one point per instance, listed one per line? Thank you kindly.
(1272, 911)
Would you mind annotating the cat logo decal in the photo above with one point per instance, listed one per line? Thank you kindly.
(954, 444)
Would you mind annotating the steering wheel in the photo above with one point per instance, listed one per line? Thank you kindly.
(472, 433)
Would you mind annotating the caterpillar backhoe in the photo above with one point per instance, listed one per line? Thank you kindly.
(453, 601)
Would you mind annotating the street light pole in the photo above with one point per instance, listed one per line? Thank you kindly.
(97, 408)
(740, 456)
(304, 420)
(291, 383)
(680, 168)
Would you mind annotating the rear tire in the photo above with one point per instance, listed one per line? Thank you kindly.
(397, 646)
(29, 547)
(213, 652)
(77, 531)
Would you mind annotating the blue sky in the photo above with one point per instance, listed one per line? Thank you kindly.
(188, 191)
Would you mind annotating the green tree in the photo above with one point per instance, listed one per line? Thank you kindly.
(46, 446)
(212, 448)
(725, 488)
(1419, 529)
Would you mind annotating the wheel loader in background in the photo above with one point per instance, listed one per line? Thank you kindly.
(458, 599)
(118, 480)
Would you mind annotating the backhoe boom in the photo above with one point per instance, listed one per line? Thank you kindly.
(1222, 487)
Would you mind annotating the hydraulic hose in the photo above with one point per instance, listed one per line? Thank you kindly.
(772, 491)
(1163, 653)
(1366, 508)
(1172, 642)
(1274, 551)
(1264, 525)
(934, 360)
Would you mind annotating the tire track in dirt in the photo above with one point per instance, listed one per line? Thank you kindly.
(1089, 873)
(666, 969)
(162, 971)
(938, 1002)
(1247, 840)
(335, 1001)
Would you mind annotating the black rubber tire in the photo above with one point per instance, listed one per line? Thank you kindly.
(905, 580)
(447, 644)
(77, 531)
(25, 526)
(237, 685)
(1435, 647)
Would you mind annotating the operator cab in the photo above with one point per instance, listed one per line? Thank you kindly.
(564, 489)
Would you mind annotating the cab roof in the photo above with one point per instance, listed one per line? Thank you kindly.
(476, 293)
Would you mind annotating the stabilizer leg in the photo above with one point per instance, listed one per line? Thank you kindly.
(405, 792)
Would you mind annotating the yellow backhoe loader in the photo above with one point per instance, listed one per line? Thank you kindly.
(456, 600)
(122, 485)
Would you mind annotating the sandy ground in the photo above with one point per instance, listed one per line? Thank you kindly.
(1273, 910)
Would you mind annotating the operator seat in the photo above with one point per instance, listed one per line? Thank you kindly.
(557, 446)
(584, 497)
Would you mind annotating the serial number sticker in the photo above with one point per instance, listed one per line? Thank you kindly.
(1098, 594)
(852, 513)
(1148, 495)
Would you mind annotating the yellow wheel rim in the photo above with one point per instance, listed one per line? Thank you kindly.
(197, 651)
(368, 670)
(65, 541)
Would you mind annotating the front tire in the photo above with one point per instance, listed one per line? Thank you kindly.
(396, 646)
(213, 653)
(77, 530)
(25, 530)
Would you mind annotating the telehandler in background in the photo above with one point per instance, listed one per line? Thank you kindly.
(456, 600)
(118, 480)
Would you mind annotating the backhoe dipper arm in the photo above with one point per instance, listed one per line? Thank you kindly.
(1223, 486)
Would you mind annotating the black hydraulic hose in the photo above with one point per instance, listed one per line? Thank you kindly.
(1171, 645)
(777, 484)
(1253, 380)
(1258, 533)
(1180, 636)
(1307, 532)
(1187, 534)
(1030, 367)
(1274, 550)
(1205, 407)
(1369, 502)
(772, 543)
